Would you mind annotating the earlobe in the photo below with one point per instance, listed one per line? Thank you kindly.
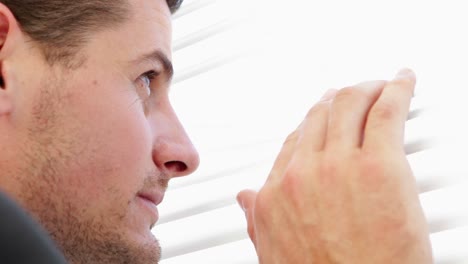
(6, 105)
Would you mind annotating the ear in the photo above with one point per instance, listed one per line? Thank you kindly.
(9, 32)
(9, 36)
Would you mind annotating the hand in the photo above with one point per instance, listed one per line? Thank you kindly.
(341, 189)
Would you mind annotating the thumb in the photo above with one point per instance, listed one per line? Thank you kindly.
(246, 200)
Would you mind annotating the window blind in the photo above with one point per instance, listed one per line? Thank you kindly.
(246, 74)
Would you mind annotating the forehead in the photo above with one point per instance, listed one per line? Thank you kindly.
(153, 11)
(147, 28)
(150, 24)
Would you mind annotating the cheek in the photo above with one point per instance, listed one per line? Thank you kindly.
(129, 140)
(117, 137)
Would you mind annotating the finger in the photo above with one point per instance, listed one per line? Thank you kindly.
(386, 120)
(246, 200)
(315, 125)
(349, 112)
(317, 112)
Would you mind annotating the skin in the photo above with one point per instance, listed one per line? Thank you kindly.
(341, 187)
(83, 149)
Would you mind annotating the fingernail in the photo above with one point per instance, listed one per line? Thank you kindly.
(405, 73)
(329, 94)
(408, 74)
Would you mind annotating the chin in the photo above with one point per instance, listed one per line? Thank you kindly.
(145, 246)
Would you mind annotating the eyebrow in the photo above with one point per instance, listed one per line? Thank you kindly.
(160, 57)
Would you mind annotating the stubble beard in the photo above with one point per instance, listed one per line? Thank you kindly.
(49, 153)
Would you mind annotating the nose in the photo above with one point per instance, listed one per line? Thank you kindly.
(173, 152)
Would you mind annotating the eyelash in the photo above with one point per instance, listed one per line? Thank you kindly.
(146, 80)
(151, 75)
(145, 87)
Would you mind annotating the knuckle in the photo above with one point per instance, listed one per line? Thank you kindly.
(370, 162)
(291, 138)
(385, 109)
(371, 174)
(349, 93)
(318, 108)
(348, 96)
(328, 170)
(293, 184)
(263, 203)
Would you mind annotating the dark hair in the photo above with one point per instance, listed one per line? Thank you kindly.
(62, 27)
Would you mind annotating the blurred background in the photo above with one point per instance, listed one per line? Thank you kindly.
(246, 72)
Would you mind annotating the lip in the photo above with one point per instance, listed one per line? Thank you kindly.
(150, 200)
(154, 197)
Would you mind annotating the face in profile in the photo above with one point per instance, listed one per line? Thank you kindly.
(94, 147)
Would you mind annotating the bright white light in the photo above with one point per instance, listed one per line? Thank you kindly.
(288, 53)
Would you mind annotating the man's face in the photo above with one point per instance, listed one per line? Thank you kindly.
(94, 149)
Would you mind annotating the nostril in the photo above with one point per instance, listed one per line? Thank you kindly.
(176, 166)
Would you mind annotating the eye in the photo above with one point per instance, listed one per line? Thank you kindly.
(144, 83)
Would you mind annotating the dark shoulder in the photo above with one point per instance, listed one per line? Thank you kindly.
(23, 240)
